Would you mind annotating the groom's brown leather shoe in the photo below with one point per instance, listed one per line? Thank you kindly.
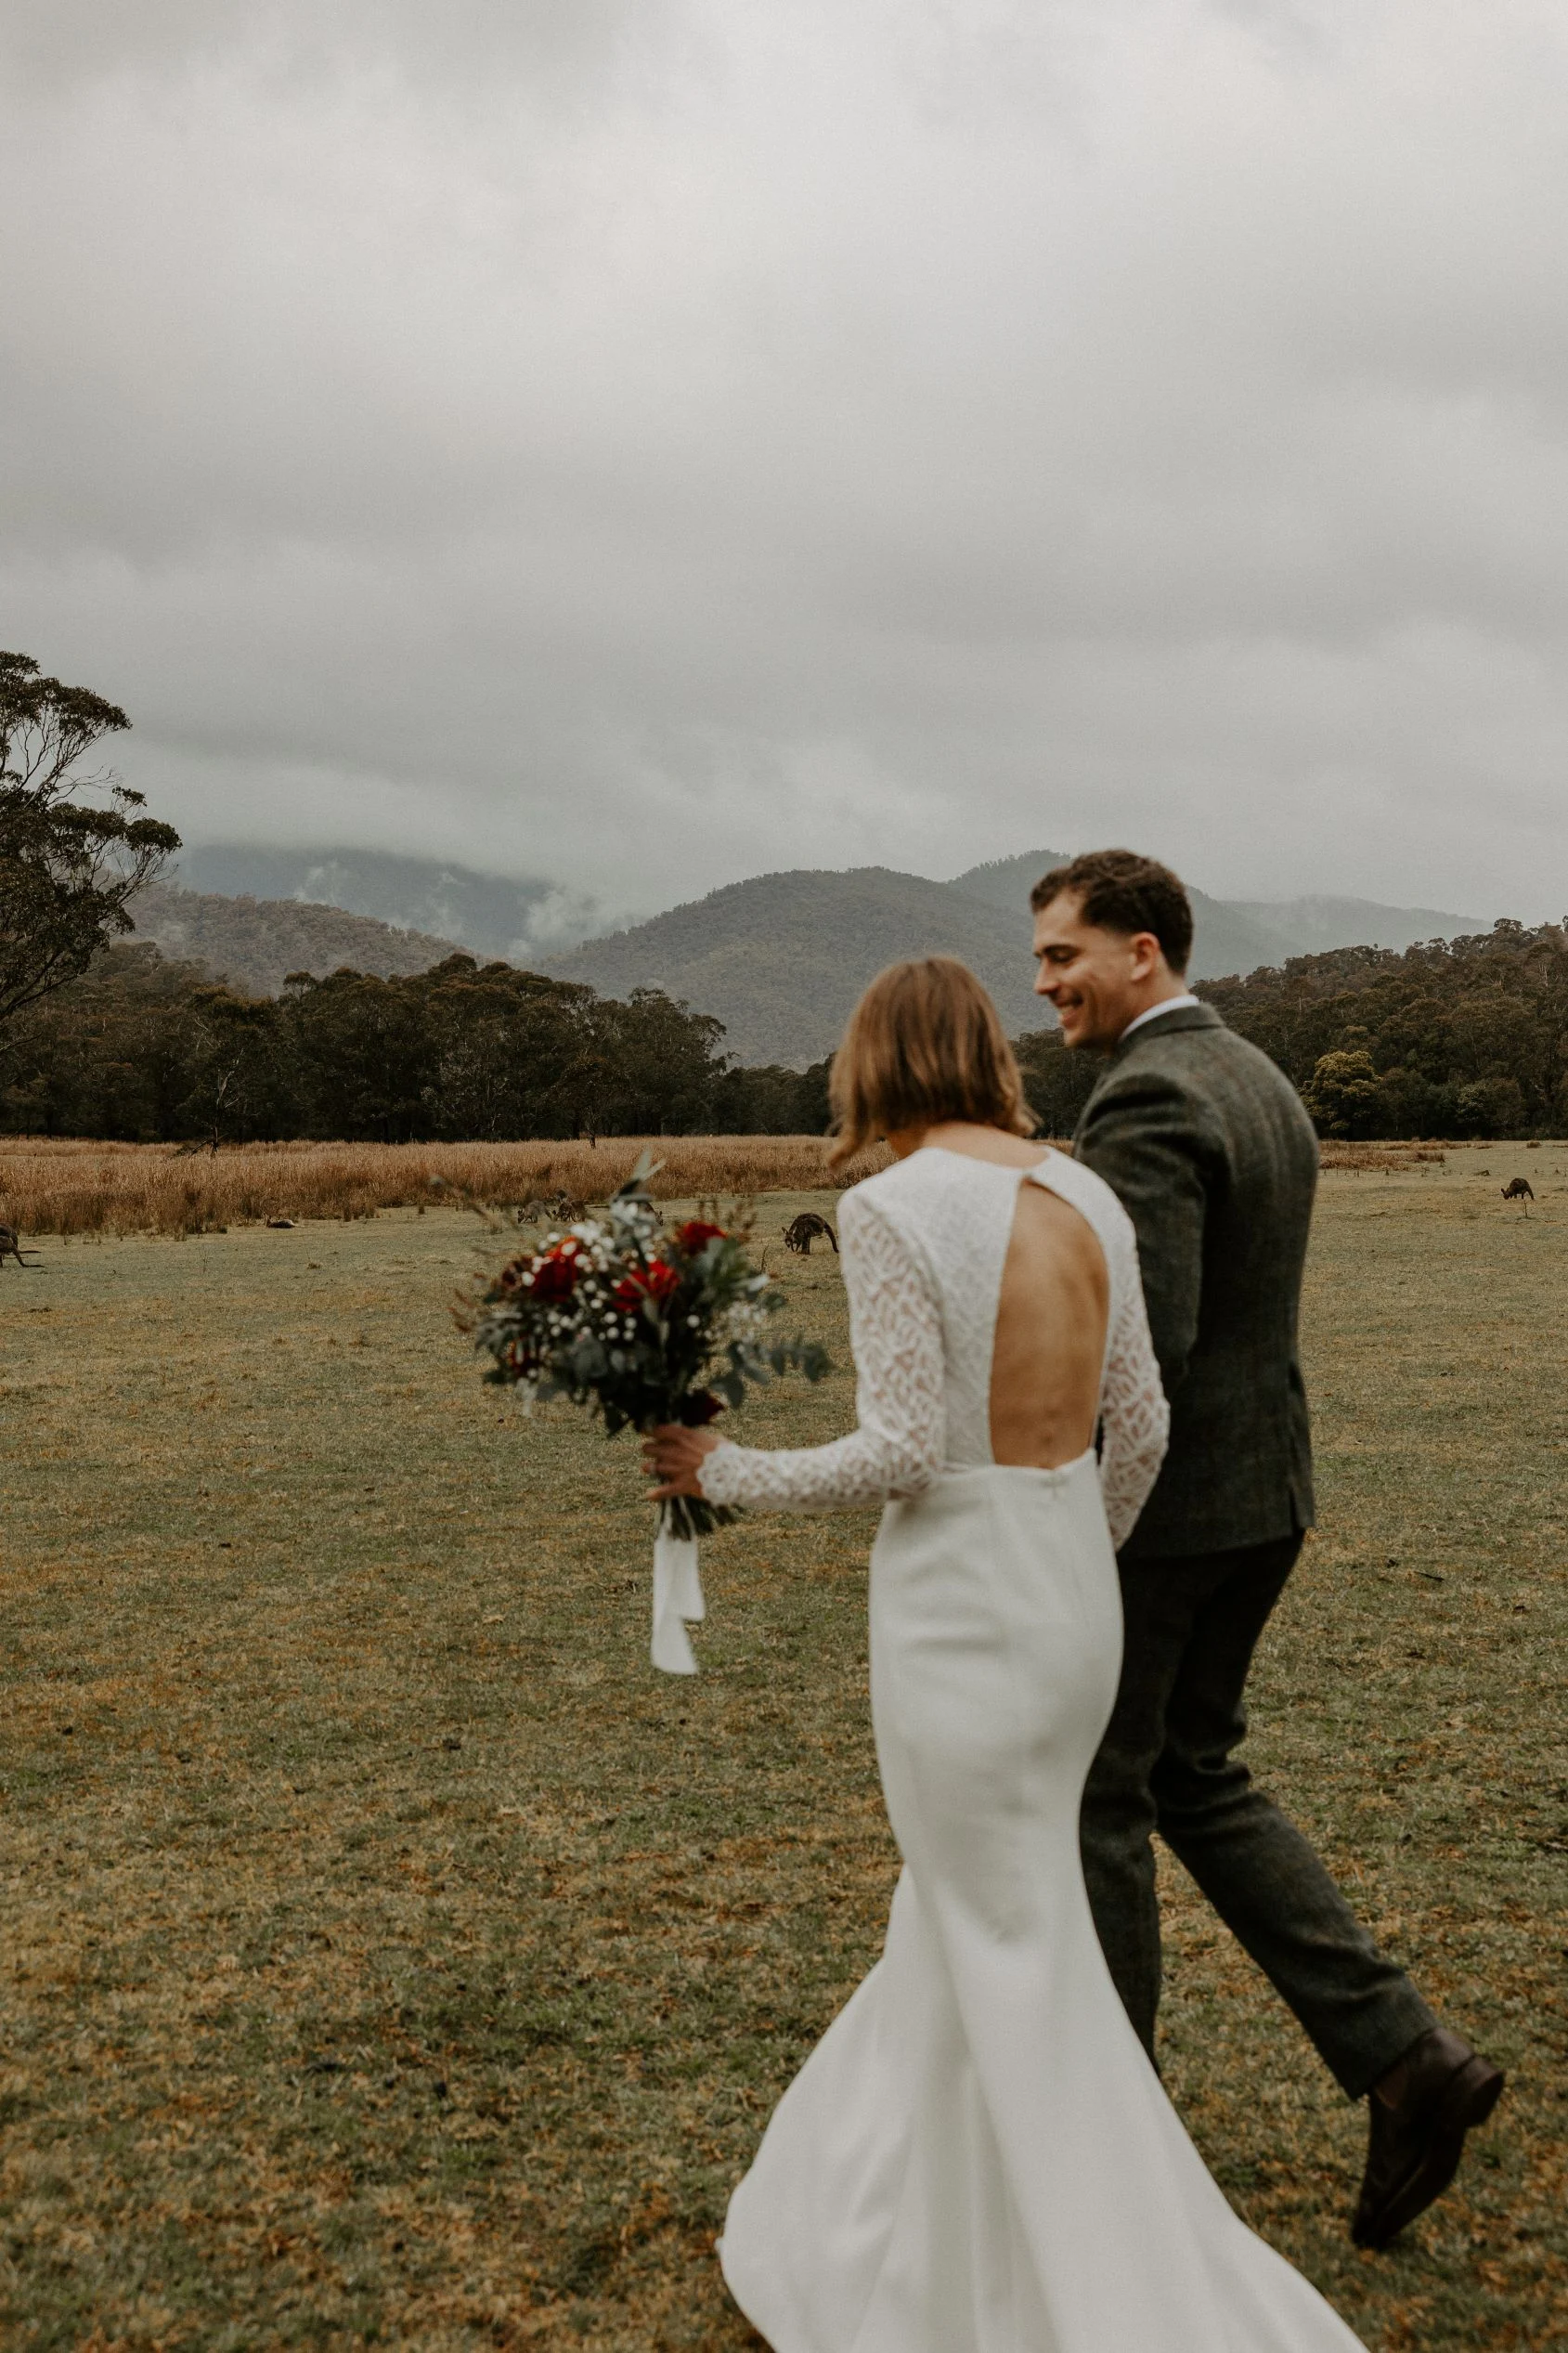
(1420, 2112)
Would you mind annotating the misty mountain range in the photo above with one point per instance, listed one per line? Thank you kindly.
(489, 915)
(779, 958)
(782, 958)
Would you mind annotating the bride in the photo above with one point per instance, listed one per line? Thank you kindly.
(977, 2156)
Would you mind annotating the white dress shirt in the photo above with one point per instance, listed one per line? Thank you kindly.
(1166, 1005)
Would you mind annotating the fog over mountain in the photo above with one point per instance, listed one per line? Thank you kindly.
(487, 913)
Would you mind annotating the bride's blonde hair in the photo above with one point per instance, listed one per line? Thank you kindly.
(924, 1044)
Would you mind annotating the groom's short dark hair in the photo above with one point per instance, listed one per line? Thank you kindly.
(1123, 892)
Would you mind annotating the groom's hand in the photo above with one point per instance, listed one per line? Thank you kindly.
(674, 1454)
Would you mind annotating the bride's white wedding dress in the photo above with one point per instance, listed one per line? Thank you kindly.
(977, 2156)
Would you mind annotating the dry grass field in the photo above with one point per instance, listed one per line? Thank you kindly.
(392, 1958)
(59, 1186)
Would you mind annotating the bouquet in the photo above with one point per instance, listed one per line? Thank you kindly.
(644, 1324)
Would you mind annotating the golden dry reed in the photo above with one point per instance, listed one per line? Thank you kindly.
(1385, 1159)
(57, 1185)
(60, 1186)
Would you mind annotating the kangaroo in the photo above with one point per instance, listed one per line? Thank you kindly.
(802, 1231)
(10, 1247)
(1519, 1190)
(552, 1209)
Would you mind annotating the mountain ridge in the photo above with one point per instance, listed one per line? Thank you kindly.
(778, 958)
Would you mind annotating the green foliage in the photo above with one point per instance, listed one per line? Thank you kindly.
(107, 1055)
(67, 866)
(1058, 1082)
(1343, 1096)
(146, 1049)
(774, 1101)
(1464, 1037)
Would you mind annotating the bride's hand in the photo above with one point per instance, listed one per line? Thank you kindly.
(675, 1454)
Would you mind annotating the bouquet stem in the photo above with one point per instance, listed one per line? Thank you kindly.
(688, 1516)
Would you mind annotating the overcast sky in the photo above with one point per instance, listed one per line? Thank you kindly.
(646, 442)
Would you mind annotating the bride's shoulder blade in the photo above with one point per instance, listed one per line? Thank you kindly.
(927, 1175)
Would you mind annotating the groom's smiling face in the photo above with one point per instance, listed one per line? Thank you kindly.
(1097, 980)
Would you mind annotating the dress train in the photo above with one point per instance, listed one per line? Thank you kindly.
(978, 2157)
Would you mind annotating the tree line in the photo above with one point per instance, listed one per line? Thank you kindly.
(1449, 1039)
(1452, 1038)
(147, 1049)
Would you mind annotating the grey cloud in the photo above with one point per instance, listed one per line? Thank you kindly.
(645, 444)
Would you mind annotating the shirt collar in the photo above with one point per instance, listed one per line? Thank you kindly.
(1166, 1005)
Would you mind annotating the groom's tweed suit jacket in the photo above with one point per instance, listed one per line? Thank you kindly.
(1206, 1143)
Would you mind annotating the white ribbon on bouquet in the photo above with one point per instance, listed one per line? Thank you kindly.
(677, 1598)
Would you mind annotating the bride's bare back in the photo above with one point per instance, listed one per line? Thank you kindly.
(1051, 1315)
(1050, 1335)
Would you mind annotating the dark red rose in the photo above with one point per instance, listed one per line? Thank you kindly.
(700, 1406)
(694, 1235)
(655, 1281)
(556, 1270)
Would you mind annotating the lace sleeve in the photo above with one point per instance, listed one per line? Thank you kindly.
(896, 1335)
(1135, 1420)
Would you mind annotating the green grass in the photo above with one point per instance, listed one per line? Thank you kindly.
(392, 1957)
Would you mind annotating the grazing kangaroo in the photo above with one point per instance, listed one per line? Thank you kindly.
(802, 1231)
(552, 1209)
(10, 1247)
(1519, 1189)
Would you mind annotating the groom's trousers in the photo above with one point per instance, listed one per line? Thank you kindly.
(1168, 1762)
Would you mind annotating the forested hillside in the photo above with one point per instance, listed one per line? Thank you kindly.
(781, 959)
(1458, 1037)
(257, 942)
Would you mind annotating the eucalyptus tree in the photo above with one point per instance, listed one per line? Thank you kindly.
(74, 848)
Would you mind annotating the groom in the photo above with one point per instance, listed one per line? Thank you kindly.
(1206, 1143)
